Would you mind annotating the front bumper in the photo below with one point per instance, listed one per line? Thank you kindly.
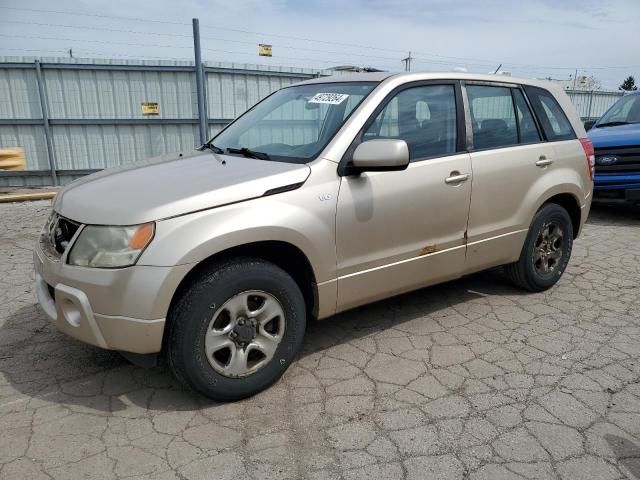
(117, 309)
(616, 181)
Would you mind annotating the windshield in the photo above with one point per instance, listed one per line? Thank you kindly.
(295, 123)
(626, 110)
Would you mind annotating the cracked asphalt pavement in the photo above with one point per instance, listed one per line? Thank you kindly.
(471, 379)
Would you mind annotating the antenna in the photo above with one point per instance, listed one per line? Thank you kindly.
(70, 52)
(497, 69)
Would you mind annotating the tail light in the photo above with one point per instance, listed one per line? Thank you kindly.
(590, 154)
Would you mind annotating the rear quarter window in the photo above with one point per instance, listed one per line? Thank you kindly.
(555, 124)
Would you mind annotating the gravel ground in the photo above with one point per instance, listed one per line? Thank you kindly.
(471, 379)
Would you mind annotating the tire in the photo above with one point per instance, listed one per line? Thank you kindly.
(199, 319)
(529, 271)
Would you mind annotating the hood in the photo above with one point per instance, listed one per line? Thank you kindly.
(618, 136)
(164, 187)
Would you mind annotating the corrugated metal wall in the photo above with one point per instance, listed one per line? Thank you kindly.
(95, 112)
(118, 94)
(29, 137)
(89, 147)
(18, 94)
(592, 104)
(19, 100)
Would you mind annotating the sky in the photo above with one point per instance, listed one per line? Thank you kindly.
(530, 38)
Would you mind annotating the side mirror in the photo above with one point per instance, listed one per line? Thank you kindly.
(381, 155)
(588, 124)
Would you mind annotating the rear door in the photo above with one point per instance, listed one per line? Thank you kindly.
(508, 157)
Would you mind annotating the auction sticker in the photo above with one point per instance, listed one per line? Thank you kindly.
(330, 98)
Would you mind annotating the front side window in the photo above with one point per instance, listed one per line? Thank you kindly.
(424, 117)
(492, 116)
(626, 110)
(554, 122)
(295, 123)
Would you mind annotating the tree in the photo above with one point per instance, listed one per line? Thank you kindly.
(629, 84)
(588, 83)
(583, 82)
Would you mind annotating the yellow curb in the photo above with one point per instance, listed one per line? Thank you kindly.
(26, 197)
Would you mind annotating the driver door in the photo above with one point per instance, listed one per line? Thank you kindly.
(398, 231)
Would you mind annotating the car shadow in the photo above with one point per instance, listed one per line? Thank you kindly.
(43, 365)
(614, 213)
(627, 453)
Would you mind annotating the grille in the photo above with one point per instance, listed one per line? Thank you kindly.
(57, 234)
(629, 160)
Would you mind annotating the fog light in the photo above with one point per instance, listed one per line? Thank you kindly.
(71, 312)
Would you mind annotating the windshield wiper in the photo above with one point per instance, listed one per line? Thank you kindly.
(212, 147)
(612, 124)
(249, 153)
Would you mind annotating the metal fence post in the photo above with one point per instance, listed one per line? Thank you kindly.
(45, 123)
(590, 103)
(200, 88)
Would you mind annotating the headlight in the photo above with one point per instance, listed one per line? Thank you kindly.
(110, 247)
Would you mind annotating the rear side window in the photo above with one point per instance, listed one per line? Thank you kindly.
(526, 124)
(492, 116)
(554, 122)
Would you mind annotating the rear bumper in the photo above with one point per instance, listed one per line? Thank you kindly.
(118, 309)
(584, 213)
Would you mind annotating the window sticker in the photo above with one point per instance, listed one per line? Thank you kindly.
(330, 98)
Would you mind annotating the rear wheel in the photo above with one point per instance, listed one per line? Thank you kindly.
(546, 251)
(237, 329)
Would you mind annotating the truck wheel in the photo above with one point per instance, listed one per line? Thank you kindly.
(546, 251)
(236, 329)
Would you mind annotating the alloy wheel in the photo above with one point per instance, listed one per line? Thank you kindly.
(548, 249)
(244, 333)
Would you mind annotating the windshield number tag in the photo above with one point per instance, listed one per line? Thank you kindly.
(330, 98)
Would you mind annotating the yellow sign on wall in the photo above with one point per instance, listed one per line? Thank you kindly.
(12, 158)
(264, 50)
(150, 108)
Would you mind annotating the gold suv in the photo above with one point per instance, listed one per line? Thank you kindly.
(326, 195)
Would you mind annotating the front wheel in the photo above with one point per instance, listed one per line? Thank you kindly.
(236, 329)
(546, 250)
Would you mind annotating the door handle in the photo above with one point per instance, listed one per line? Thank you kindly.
(456, 177)
(543, 161)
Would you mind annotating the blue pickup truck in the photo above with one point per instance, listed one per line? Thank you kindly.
(616, 140)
